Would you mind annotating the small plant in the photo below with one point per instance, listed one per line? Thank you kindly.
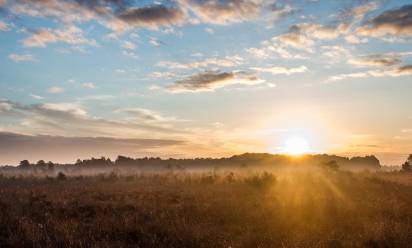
(230, 177)
(61, 176)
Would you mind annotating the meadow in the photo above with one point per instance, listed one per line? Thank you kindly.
(293, 208)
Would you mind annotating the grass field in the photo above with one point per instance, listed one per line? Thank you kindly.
(318, 208)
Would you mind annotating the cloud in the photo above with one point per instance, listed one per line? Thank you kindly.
(258, 52)
(55, 90)
(67, 11)
(68, 108)
(124, 15)
(4, 26)
(228, 61)
(353, 39)
(209, 30)
(281, 70)
(117, 15)
(37, 97)
(71, 35)
(21, 57)
(359, 12)
(88, 85)
(277, 11)
(211, 80)
(130, 54)
(155, 41)
(71, 119)
(128, 45)
(375, 60)
(295, 39)
(302, 35)
(5, 106)
(391, 22)
(165, 75)
(15, 147)
(404, 70)
(335, 53)
(323, 32)
(152, 17)
(223, 12)
(391, 72)
(146, 115)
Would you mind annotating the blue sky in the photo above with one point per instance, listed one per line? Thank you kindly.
(205, 78)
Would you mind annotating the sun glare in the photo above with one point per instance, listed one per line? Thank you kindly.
(296, 146)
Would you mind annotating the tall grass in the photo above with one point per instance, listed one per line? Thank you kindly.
(317, 208)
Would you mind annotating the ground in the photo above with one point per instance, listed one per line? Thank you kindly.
(321, 208)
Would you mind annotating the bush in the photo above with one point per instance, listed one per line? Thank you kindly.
(61, 176)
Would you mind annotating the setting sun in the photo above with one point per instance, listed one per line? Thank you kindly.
(296, 146)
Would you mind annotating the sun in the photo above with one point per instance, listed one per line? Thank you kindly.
(296, 145)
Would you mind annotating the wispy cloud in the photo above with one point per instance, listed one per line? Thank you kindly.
(71, 35)
(130, 54)
(146, 115)
(218, 12)
(375, 60)
(88, 85)
(128, 45)
(211, 80)
(228, 61)
(55, 90)
(37, 97)
(71, 118)
(4, 26)
(391, 72)
(21, 57)
(275, 70)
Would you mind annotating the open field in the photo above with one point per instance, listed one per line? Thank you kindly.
(318, 208)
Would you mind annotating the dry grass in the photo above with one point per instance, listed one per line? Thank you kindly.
(290, 209)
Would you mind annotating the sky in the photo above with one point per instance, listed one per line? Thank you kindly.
(204, 78)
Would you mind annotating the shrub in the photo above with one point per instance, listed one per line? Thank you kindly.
(61, 176)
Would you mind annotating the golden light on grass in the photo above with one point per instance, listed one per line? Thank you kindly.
(296, 145)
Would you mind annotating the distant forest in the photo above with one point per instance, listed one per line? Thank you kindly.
(247, 160)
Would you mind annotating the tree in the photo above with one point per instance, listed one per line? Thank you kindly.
(406, 167)
(24, 164)
(41, 163)
(50, 165)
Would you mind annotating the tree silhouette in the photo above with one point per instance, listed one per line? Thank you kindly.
(41, 163)
(24, 164)
(406, 167)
